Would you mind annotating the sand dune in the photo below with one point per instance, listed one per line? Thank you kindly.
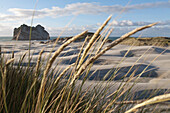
(157, 74)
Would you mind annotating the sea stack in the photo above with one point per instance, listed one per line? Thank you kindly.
(37, 33)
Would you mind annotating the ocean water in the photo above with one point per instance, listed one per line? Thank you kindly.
(5, 38)
(51, 38)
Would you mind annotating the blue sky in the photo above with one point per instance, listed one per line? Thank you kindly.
(82, 15)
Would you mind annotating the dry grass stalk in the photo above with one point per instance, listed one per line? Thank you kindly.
(38, 62)
(114, 43)
(49, 64)
(104, 41)
(92, 40)
(130, 102)
(78, 58)
(23, 56)
(80, 101)
(135, 63)
(113, 101)
(144, 70)
(154, 100)
(62, 32)
(60, 50)
(4, 74)
(63, 72)
(9, 61)
(12, 54)
(0, 51)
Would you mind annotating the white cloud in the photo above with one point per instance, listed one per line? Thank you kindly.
(76, 9)
(5, 29)
(122, 23)
(158, 30)
(129, 23)
(72, 30)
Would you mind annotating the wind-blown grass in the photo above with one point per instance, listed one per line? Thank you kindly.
(37, 89)
(157, 99)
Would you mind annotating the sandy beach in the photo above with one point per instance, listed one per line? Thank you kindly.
(157, 64)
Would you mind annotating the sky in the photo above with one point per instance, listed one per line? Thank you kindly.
(71, 17)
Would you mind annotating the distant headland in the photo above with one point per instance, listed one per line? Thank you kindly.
(37, 33)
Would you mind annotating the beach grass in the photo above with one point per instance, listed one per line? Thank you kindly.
(41, 88)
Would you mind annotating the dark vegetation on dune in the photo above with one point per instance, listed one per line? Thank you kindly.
(148, 41)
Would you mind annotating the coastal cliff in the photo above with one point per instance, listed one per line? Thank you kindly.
(37, 33)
